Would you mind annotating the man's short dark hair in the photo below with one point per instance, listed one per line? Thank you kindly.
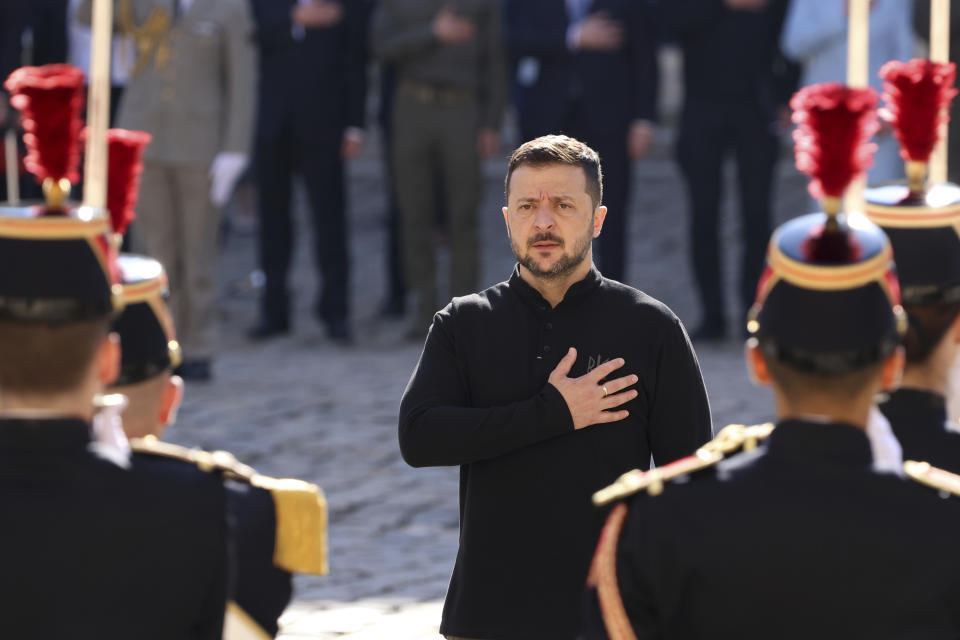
(547, 150)
(47, 359)
(794, 382)
(928, 324)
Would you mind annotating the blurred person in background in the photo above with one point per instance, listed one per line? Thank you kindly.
(451, 88)
(192, 89)
(588, 68)
(815, 36)
(732, 94)
(310, 118)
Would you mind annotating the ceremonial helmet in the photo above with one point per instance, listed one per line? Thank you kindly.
(145, 326)
(57, 260)
(828, 301)
(922, 221)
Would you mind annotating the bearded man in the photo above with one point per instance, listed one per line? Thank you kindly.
(540, 388)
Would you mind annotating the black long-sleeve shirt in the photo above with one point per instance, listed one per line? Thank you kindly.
(479, 398)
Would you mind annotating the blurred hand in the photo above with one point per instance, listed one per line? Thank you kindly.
(317, 14)
(350, 147)
(488, 142)
(639, 139)
(225, 170)
(746, 5)
(588, 400)
(600, 32)
(450, 28)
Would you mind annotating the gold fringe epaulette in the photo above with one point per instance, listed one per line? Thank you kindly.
(925, 473)
(210, 461)
(730, 439)
(300, 507)
(301, 537)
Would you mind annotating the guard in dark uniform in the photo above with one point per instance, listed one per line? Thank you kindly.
(278, 526)
(797, 537)
(92, 545)
(923, 224)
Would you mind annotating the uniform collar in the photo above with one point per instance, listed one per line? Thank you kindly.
(927, 407)
(830, 443)
(577, 291)
(44, 433)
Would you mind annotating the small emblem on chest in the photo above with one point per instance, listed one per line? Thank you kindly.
(595, 361)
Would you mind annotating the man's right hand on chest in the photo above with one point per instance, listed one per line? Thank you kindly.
(589, 401)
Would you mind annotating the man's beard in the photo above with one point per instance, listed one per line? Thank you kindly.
(563, 266)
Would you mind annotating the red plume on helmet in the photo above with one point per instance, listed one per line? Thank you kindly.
(834, 123)
(917, 94)
(123, 175)
(50, 99)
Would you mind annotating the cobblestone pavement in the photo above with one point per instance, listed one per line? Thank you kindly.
(301, 406)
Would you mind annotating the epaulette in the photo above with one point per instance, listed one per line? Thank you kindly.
(301, 538)
(209, 461)
(730, 439)
(300, 507)
(925, 473)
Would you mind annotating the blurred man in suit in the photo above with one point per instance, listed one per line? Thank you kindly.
(310, 118)
(588, 68)
(734, 82)
(192, 89)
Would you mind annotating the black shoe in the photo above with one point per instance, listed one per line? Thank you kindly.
(195, 370)
(339, 331)
(709, 332)
(268, 329)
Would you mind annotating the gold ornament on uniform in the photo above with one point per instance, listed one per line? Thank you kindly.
(152, 38)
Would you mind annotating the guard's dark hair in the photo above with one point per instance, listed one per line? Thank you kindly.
(556, 149)
(41, 358)
(928, 324)
(795, 382)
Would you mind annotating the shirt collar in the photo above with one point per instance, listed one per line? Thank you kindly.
(577, 291)
(821, 443)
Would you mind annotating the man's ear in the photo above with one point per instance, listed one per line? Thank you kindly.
(170, 401)
(108, 359)
(893, 369)
(756, 364)
(956, 329)
(506, 219)
(598, 217)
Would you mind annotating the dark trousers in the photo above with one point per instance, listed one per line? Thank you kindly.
(396, 283)
(708, 131)
(611, 145)
(321, 167)
(434, 150)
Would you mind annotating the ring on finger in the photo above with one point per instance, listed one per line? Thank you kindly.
(605, 392)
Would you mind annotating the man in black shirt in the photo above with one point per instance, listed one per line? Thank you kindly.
(539, 388)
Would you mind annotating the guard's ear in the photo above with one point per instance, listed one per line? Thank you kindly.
(956, 329)
(170, 402)
(108, 359)
(893, 369)
(756, 364)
